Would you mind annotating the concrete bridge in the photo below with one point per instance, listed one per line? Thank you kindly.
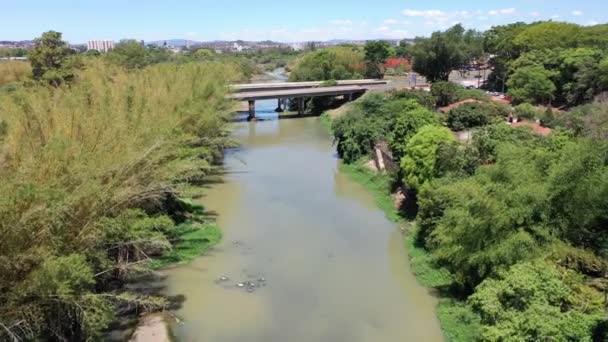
(299, 91)
(239, 88)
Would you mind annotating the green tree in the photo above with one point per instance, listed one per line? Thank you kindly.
(418, 165)
(548, 35)
(48, 58)
(532, 84)
(468, 115)
(437, 56)
(376, 53)
(410, 117)
(445, 92)
(603, 73)
(337, 63)
(535, 301)
(134, 55)
(404, 49)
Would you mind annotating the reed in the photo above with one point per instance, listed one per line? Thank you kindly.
(74, 162)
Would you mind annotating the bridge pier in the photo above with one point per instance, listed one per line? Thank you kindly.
(279, 106)
(251, 109)
(301, 106)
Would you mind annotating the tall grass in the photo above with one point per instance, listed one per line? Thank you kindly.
(89, 172)
(14, 71)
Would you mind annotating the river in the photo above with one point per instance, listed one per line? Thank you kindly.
(326, 263)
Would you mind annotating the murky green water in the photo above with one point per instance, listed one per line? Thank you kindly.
(335, 268)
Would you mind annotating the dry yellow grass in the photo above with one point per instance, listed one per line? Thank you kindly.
(14, 71)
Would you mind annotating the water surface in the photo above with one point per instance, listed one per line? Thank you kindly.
(334, 268)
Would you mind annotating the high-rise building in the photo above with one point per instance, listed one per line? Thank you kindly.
(100, 45)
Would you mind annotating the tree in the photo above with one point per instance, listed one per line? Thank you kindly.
(404, 49)
(133, 55)
(446, 93)
(603, 73)
(418, 165)
(537, 301)
(410, 117)
(532, 84)
(337, 63)
(437, 56)
(548, 35)
(48, 58)
(468, 115)
(376, 53)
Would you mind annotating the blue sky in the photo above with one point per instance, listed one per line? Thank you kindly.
(285, 20)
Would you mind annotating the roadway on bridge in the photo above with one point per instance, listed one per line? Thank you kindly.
(299, 85)
(296, 93)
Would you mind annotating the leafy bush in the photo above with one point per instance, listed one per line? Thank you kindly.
(418, 165)
(410, 117)
(474, 114)
(537, 301)
(467, 115)
(528, 111)
(445, 92)
(424, 98)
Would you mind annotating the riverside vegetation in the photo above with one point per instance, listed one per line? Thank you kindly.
(97, 160)
(509, 227)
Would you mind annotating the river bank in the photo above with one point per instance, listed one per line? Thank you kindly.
(457, 321)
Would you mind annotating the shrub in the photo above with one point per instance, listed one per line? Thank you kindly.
(539, 301)
(409, 118)
(424, 98)
(528, 111)
(418, 165)
(445, 92)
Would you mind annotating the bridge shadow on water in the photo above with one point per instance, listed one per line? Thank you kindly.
(270, 116)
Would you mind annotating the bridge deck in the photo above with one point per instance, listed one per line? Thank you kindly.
(295, 93)
(300, 85)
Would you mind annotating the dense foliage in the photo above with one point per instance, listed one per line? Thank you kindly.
(91, 173)
(49, 58)
(548, 61)
(475, 114)
(340, 63)
(513, 223)
(436, 57)
(376, 118)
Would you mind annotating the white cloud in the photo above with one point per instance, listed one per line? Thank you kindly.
(427, 14)
(435, 18)
(577, 13)
(504, 11)
(535, 14)
(591, 23)
(555, 16)
(390, 21)
(341, 22)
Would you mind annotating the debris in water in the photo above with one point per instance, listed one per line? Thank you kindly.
(224, 278)
(240, 285)
(262, 279)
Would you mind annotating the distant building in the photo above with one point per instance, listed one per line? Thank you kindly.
(100, 45)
